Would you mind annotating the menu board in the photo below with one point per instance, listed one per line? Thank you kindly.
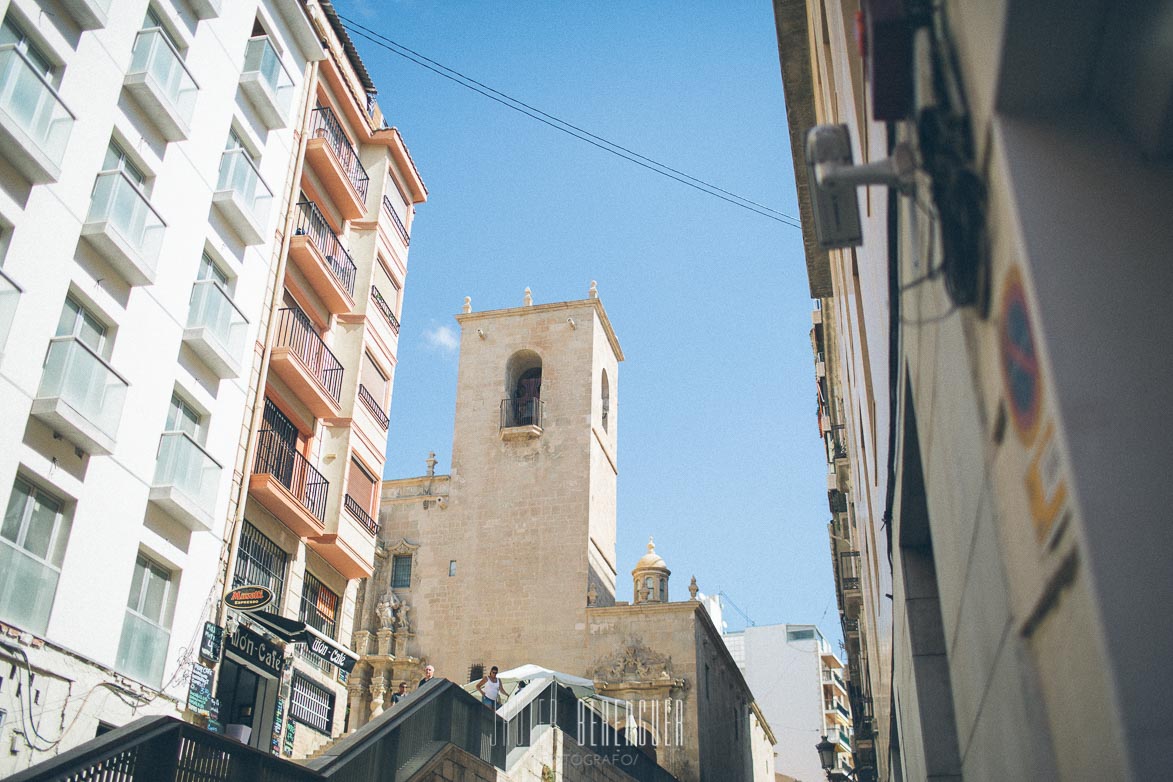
(277, 718)
(199, 693)
(214, 724)
(290, 729)
(212, 642)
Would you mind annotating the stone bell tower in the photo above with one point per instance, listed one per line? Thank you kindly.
(526, 534)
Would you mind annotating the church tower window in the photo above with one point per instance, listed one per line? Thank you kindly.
(523, 385)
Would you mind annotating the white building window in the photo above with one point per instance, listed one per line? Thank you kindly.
(78, 322)
(13, 33)
(146, 630)
(182, 417)
(32, 544)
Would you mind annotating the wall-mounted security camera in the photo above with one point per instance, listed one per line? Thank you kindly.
(834, 179)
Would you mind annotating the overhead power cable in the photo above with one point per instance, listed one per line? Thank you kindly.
(568, 128)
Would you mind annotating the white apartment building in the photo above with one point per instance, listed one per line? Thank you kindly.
(798, 682)
(144, 149)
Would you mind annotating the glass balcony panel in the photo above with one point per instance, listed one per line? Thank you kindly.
(155, 57)
(27, 588)
(119, 202)
(185, 465)
(264, 65)
(32, 114)
(239, 175)
(9, 298)
(76, 374)
(212, 308)
(142, 650)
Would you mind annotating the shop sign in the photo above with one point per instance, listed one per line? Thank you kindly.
(329, 652)
(199, 692)
(249, 598)
(212, 642)
(253, 647)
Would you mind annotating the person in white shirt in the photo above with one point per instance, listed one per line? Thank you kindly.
(490, 688)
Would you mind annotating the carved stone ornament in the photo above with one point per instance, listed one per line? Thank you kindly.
(402, 547)
(635, 662)
(386, 609)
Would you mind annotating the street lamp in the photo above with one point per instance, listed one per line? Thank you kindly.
(826, 754)
(826, 751)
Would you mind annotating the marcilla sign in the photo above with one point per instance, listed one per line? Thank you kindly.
(248, 598)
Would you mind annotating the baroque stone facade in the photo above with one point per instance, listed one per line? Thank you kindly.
(510, 559)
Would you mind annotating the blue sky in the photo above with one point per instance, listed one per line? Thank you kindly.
(719, 452)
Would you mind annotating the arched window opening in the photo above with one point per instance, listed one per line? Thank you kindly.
(606, 394)
(523, 387)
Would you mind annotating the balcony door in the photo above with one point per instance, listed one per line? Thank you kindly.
(279, 438)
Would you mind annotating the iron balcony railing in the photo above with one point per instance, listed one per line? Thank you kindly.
(354, 509)
(293, 471)
(385, 308)
(399, 226)
(294, 331)
(29, 102)
(372, 405)
(324, 124)
(522, 412)
(850, 625)
(312, 223)
(851, 584)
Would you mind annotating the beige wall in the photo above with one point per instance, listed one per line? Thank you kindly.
(1028, 564)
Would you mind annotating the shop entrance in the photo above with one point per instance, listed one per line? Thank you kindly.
(250, 675)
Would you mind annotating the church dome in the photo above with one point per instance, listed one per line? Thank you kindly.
(651, 560)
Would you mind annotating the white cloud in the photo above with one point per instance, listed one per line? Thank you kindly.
(443, 339)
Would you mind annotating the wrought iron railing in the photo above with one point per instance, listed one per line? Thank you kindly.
(165, 749)
(311, 223)
(522, 412)
(323, 124)
(372, 405)
(385, 308)
(399, 226)
(293, 471)
(359, 512)
(294, 331)
(851, 585)
(393, 747)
